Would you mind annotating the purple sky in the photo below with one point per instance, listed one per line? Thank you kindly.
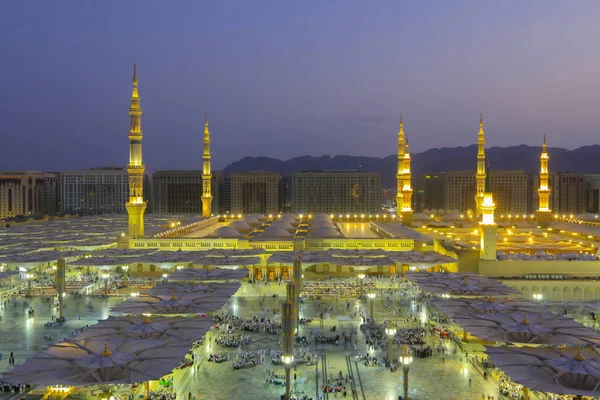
(284, 79)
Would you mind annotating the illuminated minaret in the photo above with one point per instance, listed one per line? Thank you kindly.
(487, 225)
(399, 179)
(407, 211)
(206, 174)
(136, 206)
(544, 214)
(480, 176)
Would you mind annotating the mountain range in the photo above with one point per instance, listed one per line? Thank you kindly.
(526, 158)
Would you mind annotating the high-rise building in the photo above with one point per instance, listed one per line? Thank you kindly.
(461, 190)
(255, 192)
(430, 191)
(571, 194)
(286, 194)
(510, 191)
(94, 191)
(592, 190)
(336, 192)
(181, 192)
(27, 193)
(136, 206)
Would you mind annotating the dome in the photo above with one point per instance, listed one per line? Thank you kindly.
(421, 217)
(283, 224)
(326, 231)
(251, 220)
(240, 225)
(275, 231)
(226, 232)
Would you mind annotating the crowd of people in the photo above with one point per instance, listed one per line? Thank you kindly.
(255, 324)
(233, 340)
(335, 288)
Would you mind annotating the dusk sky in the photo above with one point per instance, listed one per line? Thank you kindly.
(284, 79)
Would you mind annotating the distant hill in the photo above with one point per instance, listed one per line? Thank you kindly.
(584, 159)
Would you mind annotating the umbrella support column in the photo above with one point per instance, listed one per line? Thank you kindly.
(287, 382)
(147, 386)
(60, 272)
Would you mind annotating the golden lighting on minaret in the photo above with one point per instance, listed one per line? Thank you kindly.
(136, 206)
(544, 214)
(487, 225)
(401, 147)
(206, 173)
(480, 175)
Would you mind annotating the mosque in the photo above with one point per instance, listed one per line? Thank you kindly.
(405, 239)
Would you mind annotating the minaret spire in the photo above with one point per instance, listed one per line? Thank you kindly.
(136, 206)
(206, 173)
(480, 174)
(404, 188)
(487, 225)
(543, 212)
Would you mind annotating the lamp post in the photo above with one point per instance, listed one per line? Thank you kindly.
(406, 360)
(55, 269)
(537, 297)
(359, 283)
(105, 276)
(287, 354)
(371, 297)
(28, 277)
(391, 332)
(165, 276)
(125, 269)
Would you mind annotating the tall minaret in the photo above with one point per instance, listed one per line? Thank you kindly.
(480, 176)
(400, 183)
(206, 174)
(136, 206)
(407, 211)
(487, 225)
(544, 214)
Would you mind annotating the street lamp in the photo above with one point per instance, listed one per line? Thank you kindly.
(359, 282)
(164, 276)
(28, 276)
(406, 360)
(391, 332)
(371, 296)
(287, 353)
(105, 277)
(537, 297)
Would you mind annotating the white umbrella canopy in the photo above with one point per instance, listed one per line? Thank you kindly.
(566, 371)
(101, 262)
(195, 303)
(524, 328)
(168, 259)
(199, 289)
(459, 284)
(148, 327)
(89, 362)
(201, 274)
(226, 261)
(454, 306)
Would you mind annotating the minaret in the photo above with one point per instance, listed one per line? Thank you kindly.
(206, 174)
(407, 211)
(544, 214)
(480, 176)
(136, 206)
(401, 147)
(487, 226)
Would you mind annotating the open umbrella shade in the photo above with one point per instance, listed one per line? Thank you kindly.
(200, 289)
(226, 261)
(174, 304)
(457, 284)
(89, 362)
(489, 305)
(212, 274)
(524, 328)
(568, 371)
(148, 327)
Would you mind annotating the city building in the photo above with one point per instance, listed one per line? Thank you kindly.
(180, 192)
(592, 190)
(27, 193)
(94, 191)
(571, 194)
(336, 192)
(430, 191)
(286, 194)
(255, 192)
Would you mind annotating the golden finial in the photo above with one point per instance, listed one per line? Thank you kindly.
(489, 299)
(106, 352)
(465, 281)
(173, 296)
(147, 320)
(135, 80)
(579, 356)
(401, 123)
(544, 138)
(406, 144)
(481, 119)
(206, 119)
(525, 321)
